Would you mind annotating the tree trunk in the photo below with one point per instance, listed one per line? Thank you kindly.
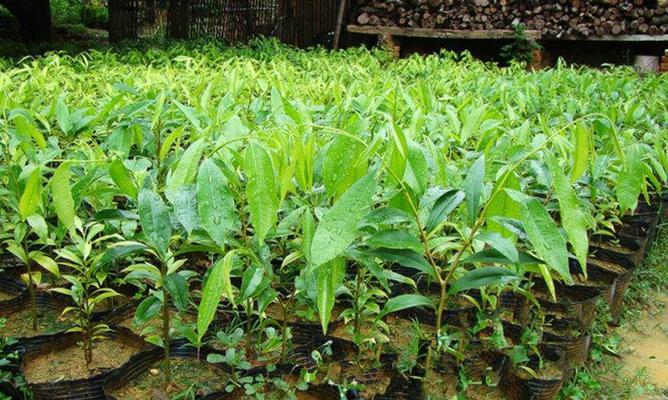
(34, 16)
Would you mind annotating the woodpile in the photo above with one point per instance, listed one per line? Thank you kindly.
(552, 18)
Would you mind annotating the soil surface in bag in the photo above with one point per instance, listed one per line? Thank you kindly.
(19, 324)
(69, 363)
(199, 378)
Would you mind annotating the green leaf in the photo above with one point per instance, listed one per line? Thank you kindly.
(503, 206)
(403, 302)
(31, 199)
(177, 286)
(582, 146)
(154, 220)
(261, 190)
(122, 178)
(120, 251)
(443, 207)
(501, 244)
(395, 239)
(184, 204)
(185, 170)
(215, 203)
(481, 277)
(473, 186)
(573, 218)
(217, 284)
(406, 258)
(630, 180)
(45, 262)
(250, 282)
(61, 194)
(338, 227)
(544, 234)
(338, 172)
(24, 127)
(63, 116)
(328, 278)
(39, 226)
(493, 256)
(147, 310)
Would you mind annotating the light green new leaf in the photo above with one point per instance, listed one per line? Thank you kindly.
(154, 220)
(482, 277)
(215, 203)
(61, 194)
(473, 186)
(24, 127)
(45, 262)
(582, 146)
(122, 178)
(31, 199)
(573, 218)
(63, 116)
(503, 206)
(261, 190)
(328, 278)
(338, 227)
(630, 180)
(403, 302)
(544, 234)
(338, 173)
(215, 287)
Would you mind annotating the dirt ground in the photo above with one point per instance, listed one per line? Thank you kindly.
(647, 347)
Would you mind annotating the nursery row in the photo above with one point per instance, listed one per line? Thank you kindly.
(262, 222)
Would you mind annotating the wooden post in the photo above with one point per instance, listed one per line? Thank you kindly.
(388, 42)
(339, 23)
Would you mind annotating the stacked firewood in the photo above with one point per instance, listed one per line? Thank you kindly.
(552, 18)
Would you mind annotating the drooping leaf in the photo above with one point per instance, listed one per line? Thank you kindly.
(473, 186)
(630, 180)
(24, 127)
(482, 277)
(261, 190)
(147, 310)
(544, 234)
(328, 278)
(573, 218)
(120, 251)
(122, 178)
(338, 227)
(493, 256)
(405, 258)
(177, 286)
(215, 203)
(61, 194)
(154, 220)
(403, 302)
(31, 199)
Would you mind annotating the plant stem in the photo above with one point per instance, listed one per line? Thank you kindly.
(165, 326)
(31, 292)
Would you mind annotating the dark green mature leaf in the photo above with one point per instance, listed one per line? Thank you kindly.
(31, 199)
(177, 286)
(501, 244)
(473, 186)
(250, 282)
(215, 202)
(120, 251)
(406, 258)
(481, 277)
(328, 278)
(154, 220)
(122, 178)
(114, 213)
(403, 302)
(493, 256)
(147, 310)
(338, 227)
(445, 205)
(395, 239)
(261, 190)
(61, 194)
(544, 235)
(573, 218)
